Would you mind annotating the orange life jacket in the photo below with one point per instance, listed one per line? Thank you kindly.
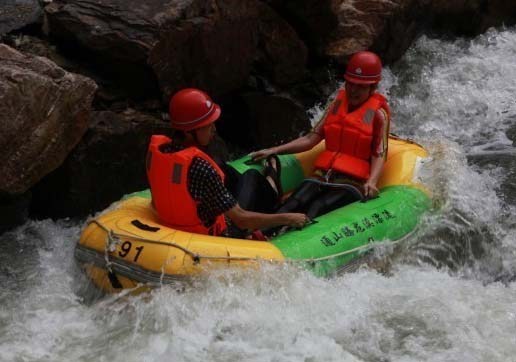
(167, 174)
(349, 136)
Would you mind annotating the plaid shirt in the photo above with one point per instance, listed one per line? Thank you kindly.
(207, 188)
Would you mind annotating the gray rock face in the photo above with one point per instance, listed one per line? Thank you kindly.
(44, 111)
(15, 14)
(335, 29)
(211, 44)
(219, 50)
(369, 24)
(115, 35)
(119, 30)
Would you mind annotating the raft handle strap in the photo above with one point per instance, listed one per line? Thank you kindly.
(348, 187)
(144, 227)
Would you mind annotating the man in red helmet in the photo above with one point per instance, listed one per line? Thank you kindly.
(356, 128)
(187, 186)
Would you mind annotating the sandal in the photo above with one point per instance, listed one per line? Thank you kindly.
(274, 173)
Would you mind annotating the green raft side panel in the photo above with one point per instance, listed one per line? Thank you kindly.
(146, 194)
(291, 170)
(391, 216)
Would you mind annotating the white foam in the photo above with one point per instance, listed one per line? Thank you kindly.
(455, 98)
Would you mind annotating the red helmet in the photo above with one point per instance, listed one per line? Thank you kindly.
(364, 68)
(191, 108)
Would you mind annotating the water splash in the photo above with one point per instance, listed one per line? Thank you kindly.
(440, 300)
(457, 99)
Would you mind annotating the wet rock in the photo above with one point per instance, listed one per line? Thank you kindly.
(119, 30)
(115, 35)
(110, 94)
(44, 111)
(212, 44)
(32, 45)
(387, 27)
(108, 163)
(334, 29)
(16, 14)
(282, 54)
(213, 52)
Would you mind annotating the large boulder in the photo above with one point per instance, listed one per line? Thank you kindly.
(334, 29)
(219, 50)
(388, 27)
(108, 163)
(44, 112)
(109, 92)
(17, 14)
(117, 30)
(114, 35)
(212, 44)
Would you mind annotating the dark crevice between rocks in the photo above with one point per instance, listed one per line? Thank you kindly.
(33, 29)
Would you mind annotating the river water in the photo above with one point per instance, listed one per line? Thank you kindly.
(447, 294)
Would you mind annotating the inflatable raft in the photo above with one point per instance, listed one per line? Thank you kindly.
(126, 247)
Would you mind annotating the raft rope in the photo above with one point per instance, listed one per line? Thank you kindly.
(113, 239)
(336, 186)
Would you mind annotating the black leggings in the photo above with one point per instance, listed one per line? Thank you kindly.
(253, 193)
(314, 199)
(251, 189)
